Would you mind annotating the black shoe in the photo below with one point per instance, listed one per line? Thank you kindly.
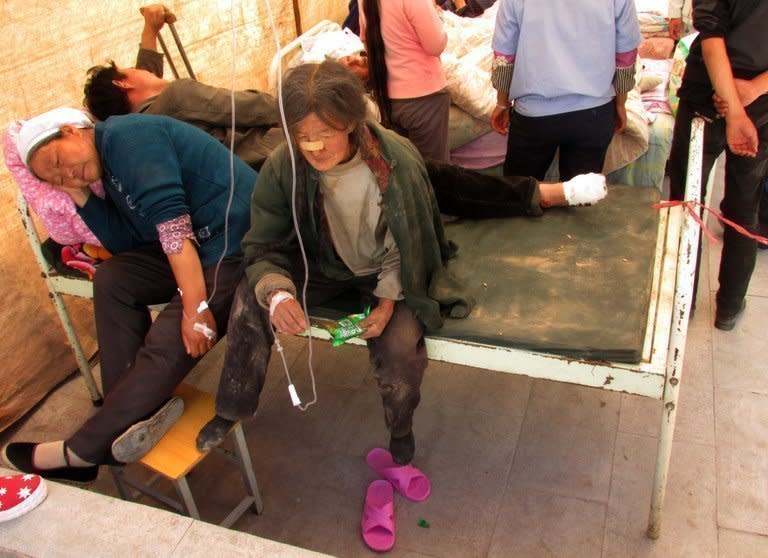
(19, 456)
(727, 322)
(213, 433)
(139, 439)
(402, 449)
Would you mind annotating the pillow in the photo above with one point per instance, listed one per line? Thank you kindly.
(646, 81)
(55, 208)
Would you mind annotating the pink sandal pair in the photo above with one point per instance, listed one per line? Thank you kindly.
(378, 524)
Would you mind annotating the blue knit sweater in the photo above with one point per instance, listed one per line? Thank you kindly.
(155, 169)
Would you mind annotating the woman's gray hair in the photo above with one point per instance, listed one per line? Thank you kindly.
(330, 91)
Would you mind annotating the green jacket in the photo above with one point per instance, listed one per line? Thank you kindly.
(408, 204)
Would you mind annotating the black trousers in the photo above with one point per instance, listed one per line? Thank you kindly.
(466, 193)
(142, 361)
(399, 354)
(583, 137)
(741, 200)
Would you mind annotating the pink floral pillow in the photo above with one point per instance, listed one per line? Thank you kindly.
(55, 208)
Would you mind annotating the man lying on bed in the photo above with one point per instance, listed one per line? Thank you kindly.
(111, 90)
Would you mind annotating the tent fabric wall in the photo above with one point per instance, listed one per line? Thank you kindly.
(48, 48)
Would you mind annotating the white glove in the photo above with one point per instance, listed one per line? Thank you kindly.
(585, 189)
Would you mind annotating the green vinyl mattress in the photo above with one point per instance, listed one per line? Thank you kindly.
(574, 282)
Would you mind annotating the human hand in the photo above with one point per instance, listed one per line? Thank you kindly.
(721, 106)
(375, 323)
(500, 120)
(288, 316)
(741, 134)
(676, 28)
(195, 342)
(747, 95)
(746, 90)
(621, 117)
(156, 15)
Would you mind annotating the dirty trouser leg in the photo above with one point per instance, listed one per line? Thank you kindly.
(160, 363)
(466, 193)
(249, 347)
(400, 358)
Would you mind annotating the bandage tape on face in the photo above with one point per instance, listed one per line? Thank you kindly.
(311, 145)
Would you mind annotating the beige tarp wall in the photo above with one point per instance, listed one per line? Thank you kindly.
(47, 46)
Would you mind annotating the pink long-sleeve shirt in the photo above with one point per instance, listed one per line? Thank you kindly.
(414, 38)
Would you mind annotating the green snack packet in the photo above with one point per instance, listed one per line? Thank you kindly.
(347, 328)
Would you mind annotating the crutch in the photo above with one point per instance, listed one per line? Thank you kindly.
(180, 47)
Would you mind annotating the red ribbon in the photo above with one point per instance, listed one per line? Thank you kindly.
(690, 207)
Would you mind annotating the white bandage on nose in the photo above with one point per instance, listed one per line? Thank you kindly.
(311, 145)
(585, 189)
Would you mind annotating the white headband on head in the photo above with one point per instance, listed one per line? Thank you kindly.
(36, 130)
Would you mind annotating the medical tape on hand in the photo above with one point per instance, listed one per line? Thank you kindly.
(277, 298)
(585, 189)
(200, 327)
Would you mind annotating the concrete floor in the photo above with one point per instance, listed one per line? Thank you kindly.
(519, 467)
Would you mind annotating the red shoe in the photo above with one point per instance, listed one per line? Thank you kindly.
(20, 494)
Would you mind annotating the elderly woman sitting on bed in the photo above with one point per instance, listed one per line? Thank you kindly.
(370, 227)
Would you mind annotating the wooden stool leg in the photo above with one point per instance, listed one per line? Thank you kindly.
(117, 476)
(246, 467)
(182, 488)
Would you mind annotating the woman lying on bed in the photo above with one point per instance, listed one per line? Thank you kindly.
(370, 226)
(167, 189)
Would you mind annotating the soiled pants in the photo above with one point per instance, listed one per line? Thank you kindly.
(142, 361)
(424, 121)
(467, 193)
(583, 137)
(741, 200)
(398, 355)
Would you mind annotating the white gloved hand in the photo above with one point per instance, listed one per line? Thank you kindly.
(585, 189)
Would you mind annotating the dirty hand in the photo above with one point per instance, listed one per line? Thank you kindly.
(287, 316)
(156, 15)
(676, 28)
(500, 120)
(375, 323)
(741, 134)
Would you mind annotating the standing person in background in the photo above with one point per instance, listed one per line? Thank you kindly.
(404, 40)
(568, 69)
(728, 60)
(679, 18)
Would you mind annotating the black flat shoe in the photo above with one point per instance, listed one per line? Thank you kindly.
(727, 322)
(19, 456)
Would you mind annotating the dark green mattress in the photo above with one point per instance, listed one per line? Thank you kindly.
(575, 282)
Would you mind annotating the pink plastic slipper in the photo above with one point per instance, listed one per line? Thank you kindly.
(378, 524)
(407, 479)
